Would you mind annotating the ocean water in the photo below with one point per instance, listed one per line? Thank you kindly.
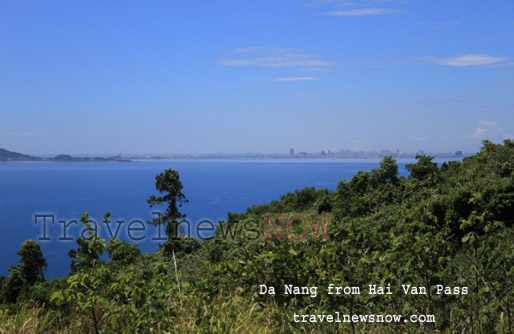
(213, 188)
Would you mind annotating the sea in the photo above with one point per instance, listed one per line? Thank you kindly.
(44, 200)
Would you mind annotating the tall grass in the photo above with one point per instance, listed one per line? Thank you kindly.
(30, 320)
(196, 313)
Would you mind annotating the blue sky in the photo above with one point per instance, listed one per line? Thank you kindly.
(255, 76)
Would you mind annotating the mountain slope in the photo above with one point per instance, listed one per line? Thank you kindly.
(6, 155)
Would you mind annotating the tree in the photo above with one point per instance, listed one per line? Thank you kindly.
(388, 171)
(24, 275)
(424, 169)
(13, 285)
(121, 251)
(168, 183)
(90, 250)
(33, 264)
(89, 281)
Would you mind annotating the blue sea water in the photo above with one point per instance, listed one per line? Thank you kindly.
(213, 188)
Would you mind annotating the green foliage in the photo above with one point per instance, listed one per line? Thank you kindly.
(168, 183)
(122, 252)
(24, 275)
(451, 225)
(87, 284)
(388, 171)
(108, 296)
(305, 199)
(90, 249)
(33, 264)
(13, 285)
(425, 169)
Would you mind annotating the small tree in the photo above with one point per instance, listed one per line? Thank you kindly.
(121, 251)
(33, 264)
(388, 171)
(30, 271)
(90, 250)
(425, 169)
(168, 183)
(13, 285)
(90, 280)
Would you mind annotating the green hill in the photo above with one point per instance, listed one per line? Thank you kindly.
(441, 241)
(6, 155)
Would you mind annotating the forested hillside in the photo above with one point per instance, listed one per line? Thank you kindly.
(6, 155)
(448, 225)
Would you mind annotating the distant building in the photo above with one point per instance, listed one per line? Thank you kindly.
(291, 151)
(458, 153)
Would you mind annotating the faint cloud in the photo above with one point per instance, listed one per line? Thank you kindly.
(290, 79)
(502, 64)
(479, 133)
(487, 130)
(437, 25)
(463, 60)
(416, 138)
(331, 2)
(274, 58)
(265, 49)
(487, 123)
(363, 12)
(346, 3)
(466, 60)
(359, 8)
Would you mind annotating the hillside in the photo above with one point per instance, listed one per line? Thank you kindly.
(441, 240)
(6, 155)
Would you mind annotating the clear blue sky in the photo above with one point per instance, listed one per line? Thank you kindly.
(255, 76)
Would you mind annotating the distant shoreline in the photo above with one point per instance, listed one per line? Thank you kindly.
(7, 156)
(217, 158)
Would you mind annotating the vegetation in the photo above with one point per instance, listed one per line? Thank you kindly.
(168, 182)
(6, 155)
(450, 225)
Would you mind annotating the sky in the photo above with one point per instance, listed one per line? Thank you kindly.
(232, 76)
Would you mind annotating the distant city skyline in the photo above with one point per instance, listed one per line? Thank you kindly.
(201, 77)
(290, 153)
